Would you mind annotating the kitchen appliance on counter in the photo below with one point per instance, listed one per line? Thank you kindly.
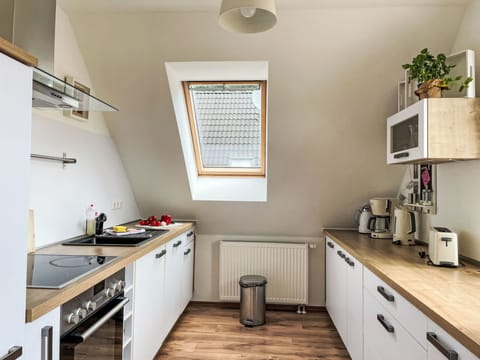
(57, 271)
(404, 226)
(362, 218)
(443, 247)
(380, 224)
(92, 322)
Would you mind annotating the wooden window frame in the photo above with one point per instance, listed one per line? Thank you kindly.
(233, 171)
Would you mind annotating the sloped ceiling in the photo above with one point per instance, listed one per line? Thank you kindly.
(333, 81)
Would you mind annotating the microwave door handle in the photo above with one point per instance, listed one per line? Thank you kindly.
(87, 333)
(404, 154)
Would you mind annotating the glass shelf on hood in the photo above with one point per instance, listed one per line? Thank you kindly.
(67, 95)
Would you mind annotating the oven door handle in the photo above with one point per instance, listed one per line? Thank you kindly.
(87, 333)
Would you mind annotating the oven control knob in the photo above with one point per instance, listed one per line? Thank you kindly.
(110, 292)
(120, 285)
(90, 305)
(72, 318)
(81, 313)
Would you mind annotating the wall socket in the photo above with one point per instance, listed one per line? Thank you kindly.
(117, 204)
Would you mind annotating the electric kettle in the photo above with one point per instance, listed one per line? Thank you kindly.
(404, 226)
(363, 217)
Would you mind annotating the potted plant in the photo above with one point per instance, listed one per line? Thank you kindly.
(432, 75)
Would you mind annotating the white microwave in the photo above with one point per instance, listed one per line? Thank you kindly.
(407, 134)
(435, 131)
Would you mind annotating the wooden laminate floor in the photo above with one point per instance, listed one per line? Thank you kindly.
(208, 332)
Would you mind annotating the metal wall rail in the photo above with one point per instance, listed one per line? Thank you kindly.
(64, 159)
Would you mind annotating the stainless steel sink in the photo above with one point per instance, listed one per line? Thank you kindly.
(113, 240)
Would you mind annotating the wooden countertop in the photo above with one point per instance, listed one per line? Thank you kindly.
(17, 53)
(450, 297)
(41, 301)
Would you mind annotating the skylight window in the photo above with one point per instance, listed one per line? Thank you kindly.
(227, 122)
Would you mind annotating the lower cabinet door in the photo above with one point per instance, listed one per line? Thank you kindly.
(149, 326)
(441, 346)
(187, 272)
(385, 338)
(42, 337)
(354, 309)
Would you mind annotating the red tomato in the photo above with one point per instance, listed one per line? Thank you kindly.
(142, 222)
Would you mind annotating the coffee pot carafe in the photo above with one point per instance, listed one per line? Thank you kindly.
(380, 225)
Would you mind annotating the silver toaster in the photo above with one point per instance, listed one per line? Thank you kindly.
(443, 247)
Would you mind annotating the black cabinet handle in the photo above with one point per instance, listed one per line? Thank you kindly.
(330, 245)
(384, 293)
(13, 353)
(385, 324)
(187, 252)
(449, 354)
(190, 234)
(341, 254)
(160, 254)
(349, 261)
(177, 244)
(47, 335)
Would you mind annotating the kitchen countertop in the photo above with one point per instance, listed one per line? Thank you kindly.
(450, 297)
(41, 301)
(17, 53)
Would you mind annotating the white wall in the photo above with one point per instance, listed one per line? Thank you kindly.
(458, 193)
(60, 196)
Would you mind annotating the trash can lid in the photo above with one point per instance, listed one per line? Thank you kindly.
(252, 280)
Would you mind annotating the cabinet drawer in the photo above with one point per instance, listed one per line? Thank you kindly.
(440, 345)
(410, 317)
(385, 338)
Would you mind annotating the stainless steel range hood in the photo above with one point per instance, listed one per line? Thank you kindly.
(30, 25)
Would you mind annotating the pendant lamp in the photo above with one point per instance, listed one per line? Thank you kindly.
(247, 16)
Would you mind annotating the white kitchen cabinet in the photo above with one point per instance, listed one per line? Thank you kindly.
(442, 346)
(15, 139)
(412, 319)
(187, 270)
(149, 310)
(336, 283)
(163, 282)
(174, 278)
(385, 337)
(42, 337)
(344, 301)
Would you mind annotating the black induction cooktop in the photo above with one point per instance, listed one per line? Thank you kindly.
(57, 271)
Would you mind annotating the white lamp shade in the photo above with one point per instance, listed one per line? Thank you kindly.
(232, 19)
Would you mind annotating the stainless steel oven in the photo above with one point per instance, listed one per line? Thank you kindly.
(92, 323)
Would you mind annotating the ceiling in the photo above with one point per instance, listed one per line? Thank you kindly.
(75, 6)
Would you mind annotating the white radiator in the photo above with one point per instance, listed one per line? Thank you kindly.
(285, 265)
